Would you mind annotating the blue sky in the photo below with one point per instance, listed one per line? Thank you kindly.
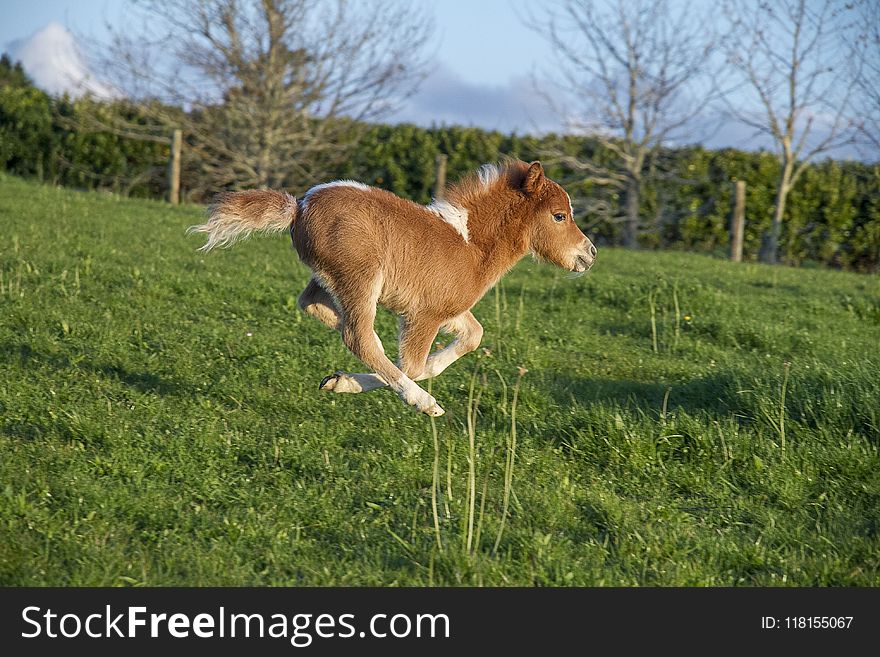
(21, 18)
(484, 57)
(483, 54)
(482, 41)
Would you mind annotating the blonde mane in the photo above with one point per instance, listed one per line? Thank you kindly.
(476, 185)
(454, 208)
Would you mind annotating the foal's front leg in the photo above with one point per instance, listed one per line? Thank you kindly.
(467, 331)
(416, 337)
(358, 335)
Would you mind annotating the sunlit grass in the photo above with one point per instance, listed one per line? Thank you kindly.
(683, 421)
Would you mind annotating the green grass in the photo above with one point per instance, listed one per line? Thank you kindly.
(161, 423)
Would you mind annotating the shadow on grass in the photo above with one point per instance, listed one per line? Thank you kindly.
(715, 394)
(144, 382)
(813, 402)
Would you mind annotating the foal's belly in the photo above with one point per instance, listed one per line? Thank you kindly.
(440, 302)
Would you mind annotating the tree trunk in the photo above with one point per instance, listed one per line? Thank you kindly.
(738, 221)
(770, 244)
(631, 227)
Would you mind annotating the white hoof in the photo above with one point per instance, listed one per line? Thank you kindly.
(340, 382)
(427, 405)
(434, 410)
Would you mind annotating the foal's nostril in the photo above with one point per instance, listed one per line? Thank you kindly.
(593, 250)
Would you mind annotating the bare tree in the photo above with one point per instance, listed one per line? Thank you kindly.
(268, 93)
(789, 58)
(865, 62)
(631, 74)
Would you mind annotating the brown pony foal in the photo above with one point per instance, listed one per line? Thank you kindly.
(430, 265)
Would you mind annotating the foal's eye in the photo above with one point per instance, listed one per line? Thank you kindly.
(559, 216)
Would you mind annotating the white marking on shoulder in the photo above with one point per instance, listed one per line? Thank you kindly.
(489, 173)
(453, 215)
(336, 183)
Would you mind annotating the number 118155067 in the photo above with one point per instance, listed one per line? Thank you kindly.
(806, 622)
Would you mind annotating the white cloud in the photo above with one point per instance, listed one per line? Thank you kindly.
(51, 58)
(444, 98)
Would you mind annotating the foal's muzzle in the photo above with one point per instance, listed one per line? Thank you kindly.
(585, 258)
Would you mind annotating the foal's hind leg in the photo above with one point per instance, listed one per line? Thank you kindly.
(318, 303)
(359, 311)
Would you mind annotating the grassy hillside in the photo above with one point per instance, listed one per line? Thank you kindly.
(161, 423)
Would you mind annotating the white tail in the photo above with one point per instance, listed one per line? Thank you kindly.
(235, 215)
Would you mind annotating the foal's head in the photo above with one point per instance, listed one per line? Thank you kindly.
(553, 235)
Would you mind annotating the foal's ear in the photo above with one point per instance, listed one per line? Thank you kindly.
(534, 178)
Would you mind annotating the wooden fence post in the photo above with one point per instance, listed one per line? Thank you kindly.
(174, 168)
(440, 183)
(737, 222)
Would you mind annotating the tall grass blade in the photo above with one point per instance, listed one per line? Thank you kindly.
(509, 463)
(435, 478)
(786, 368)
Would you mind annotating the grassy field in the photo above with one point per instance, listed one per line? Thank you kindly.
(683, 421)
